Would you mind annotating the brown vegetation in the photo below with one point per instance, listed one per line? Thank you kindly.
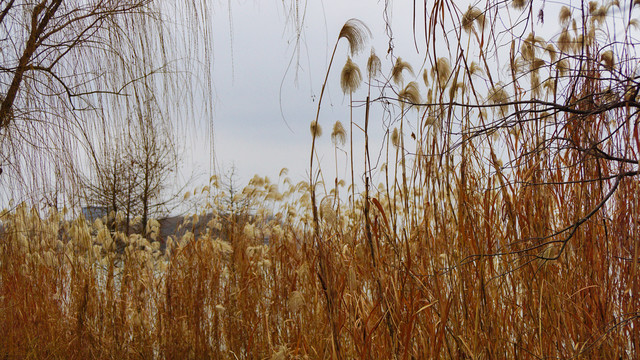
(506, 228)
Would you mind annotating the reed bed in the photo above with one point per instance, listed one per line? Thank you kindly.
(264, 288)
(503, 227)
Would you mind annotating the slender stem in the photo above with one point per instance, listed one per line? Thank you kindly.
(353, 192)
(312, 184)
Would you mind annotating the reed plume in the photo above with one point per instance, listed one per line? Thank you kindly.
(316, 129)
(471, 16)
(395, 137)
(399, 67)
(550, 49)
(441, 71)
(565, 16)
(350, 78)
(565, 41)
(338, 135)
(410, 94)
(374, 66)
(519, 4)
(425, 77)
(607, 59)
(357, 34)
(475, 68)
(498, 96)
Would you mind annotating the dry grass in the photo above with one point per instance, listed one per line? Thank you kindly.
(420, 291)
(506, 234)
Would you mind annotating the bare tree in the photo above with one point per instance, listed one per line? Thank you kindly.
(70, 69)
(134, 169)
(155, 160)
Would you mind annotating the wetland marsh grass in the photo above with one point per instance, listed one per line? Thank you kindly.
(505, 228)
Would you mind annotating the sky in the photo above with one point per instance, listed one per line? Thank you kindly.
(262, 110)
(265, 96)
(265, 93)
(263, 107)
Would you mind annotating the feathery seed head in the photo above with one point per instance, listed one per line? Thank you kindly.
(483, 114)
(441, 71)
(536, 89)
(551, 50)
(327, 212)
(357, 34)
(550, 86)
(410, 94)
(518, 64)
(473, 14)
(120, 217)
(316, 130)
(578, 41)
(497, 95)
(474, 68)
(395, 137)
(97, 225)
(425, 77)
(398, 68)
(350, 78)
(374, 66)
(564, 16)
(545, 115)
(563, 67)
(213, 180)
(154, 223)
(495, 136)
(629, 93)
(454, 88)
(527, 49)
(338, 135)
(536, 64)
(565, 42)
(599, 14)
(264, 264)
(519, 4)
(222, 246)
(249, 231)
(607, 59)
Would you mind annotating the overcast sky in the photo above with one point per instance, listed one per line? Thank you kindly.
(261, 113)
(255, 85)
(265, 96)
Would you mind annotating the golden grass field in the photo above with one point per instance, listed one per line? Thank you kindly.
(505, 227)
(411, 282)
